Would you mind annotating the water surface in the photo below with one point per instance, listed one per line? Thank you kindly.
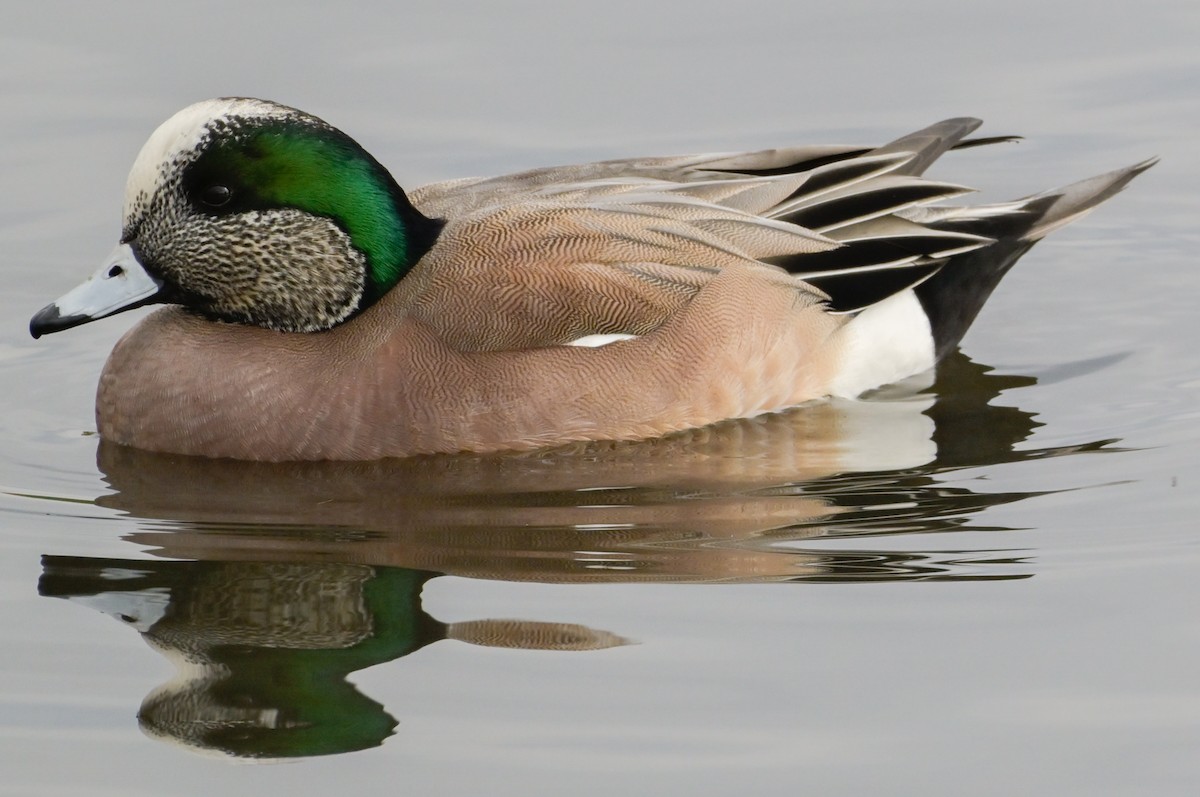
(979, 582)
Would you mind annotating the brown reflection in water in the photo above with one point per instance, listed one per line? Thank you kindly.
(305, 572)
(726, 503)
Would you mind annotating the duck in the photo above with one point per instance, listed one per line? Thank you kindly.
(314, 310)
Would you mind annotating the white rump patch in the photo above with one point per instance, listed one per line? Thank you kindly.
(596, 341)
(885, 343)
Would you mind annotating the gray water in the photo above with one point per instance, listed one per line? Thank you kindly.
(979, 584)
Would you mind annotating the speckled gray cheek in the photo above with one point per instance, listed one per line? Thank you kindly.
(281, 269)
(309, 275)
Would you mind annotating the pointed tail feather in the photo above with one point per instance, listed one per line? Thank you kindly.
(929, 144)
(953, 297)
(1075, 200)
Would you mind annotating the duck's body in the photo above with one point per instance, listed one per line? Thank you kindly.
(379, 387)
(717, 287)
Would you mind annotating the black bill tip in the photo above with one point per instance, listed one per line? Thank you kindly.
(49, 319)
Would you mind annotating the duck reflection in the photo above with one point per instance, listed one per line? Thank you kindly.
(301, 573)
(263, 649)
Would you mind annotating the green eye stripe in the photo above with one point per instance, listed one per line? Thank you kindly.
(319, 172)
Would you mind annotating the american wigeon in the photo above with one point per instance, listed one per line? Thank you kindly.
(320, 312)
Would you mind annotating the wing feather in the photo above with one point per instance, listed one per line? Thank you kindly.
(547, 256)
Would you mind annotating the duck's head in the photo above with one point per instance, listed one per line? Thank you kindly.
(251, 212)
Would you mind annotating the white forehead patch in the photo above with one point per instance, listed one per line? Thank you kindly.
(179, 135)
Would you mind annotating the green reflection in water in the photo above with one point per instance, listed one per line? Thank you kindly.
(264, 648)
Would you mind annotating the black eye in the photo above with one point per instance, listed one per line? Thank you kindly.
(216, 195)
